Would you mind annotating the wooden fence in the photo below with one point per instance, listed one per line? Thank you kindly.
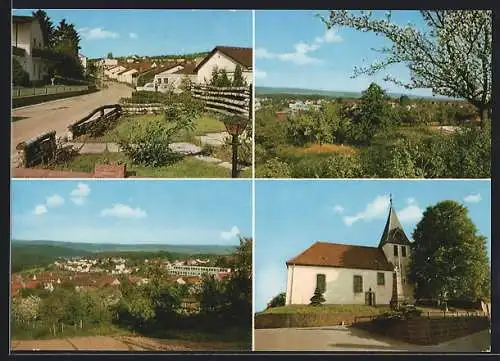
(227, 101)
(92, 125)
(38, 150)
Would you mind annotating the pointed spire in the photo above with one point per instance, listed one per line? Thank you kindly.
(393, 231)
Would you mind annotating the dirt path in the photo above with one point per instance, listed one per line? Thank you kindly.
(118, 343)
(57, 115)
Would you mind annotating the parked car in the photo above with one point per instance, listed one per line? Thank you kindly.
(147, 87)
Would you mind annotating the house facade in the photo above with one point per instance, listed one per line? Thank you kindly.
(83, 60)
(27, 45)
(227, 58)
(350, 274)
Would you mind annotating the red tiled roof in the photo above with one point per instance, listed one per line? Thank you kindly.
(187, 68)
(342, 255)
(242, 56)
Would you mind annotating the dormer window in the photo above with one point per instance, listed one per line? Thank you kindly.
(396, 253)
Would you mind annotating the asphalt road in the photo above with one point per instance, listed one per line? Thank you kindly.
(56, 115)
(339, 338)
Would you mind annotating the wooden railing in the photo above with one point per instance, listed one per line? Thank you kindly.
(92, 125)
(38, 150)
(227, 101)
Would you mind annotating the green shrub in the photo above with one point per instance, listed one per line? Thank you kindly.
(336, 166)
(274, 168)
(148, 143)
(19, 76)
(277, 301)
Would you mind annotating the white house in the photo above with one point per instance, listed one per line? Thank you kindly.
(27, 46)
(126, 75)
(174, 76)
(83, 60)
(113, 72)
(349, 274)
(227, 58)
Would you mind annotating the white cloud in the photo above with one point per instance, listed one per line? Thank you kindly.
(411, 214)
(231, 234)
(80, 193)
(260, 74)
(373, 210)
(97, 34)
(54, 201)
(410, 200)
(40, 209)
(300, 55)
(473, 198)
(133, 36)
(338, 209)
(123, 211)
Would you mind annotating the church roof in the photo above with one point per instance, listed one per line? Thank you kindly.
(342, 255)
(393, 231)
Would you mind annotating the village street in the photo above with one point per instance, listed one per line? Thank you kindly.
(34, 120)
(341, 338)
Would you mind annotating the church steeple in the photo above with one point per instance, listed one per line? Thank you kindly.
(393, 231)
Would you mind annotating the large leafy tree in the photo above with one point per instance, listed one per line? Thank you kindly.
(449, 256)
(372, 115)
(452, 56)
(67, 40)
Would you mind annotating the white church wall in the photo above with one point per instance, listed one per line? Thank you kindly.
(301, 284)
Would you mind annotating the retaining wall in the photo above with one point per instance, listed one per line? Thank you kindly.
(285, 320)
(427, 331)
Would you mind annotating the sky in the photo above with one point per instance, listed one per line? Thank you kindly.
(292, 215)
(293, 49)
(155, 32)
(133, 211)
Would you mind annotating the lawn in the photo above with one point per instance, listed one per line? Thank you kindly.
(186, 168)
(358, 310)
(204, 124)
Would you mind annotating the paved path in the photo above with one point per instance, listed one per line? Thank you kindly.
(186, 149)
(58, 114)
(339, 338)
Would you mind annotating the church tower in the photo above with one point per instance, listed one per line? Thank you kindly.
(396, 247)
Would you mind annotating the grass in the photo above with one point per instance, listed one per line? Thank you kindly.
(358, 310)
(43, 332)
(204, 124)
(186, 168)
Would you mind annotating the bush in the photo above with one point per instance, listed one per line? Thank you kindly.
(148, 143)
(277, 301)
(336, 166)
(274, 168)
(19, 76)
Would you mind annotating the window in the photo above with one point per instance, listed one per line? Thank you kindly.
(380, 278)
(396, 250)
(321, 282)
(358, 284)
(403, 251)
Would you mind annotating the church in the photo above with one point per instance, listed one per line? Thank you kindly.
(348, 274)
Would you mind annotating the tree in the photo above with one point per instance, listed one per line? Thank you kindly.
(317, 299)
(448, 256)
(452, 56)
(238, 79)
(46, 25)
(110, 55)
(277, 301)
(372, 115)
(219, 78)
(404, 100)
(66, 39)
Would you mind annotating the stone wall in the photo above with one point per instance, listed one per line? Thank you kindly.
(427, 331)
(284, 320)
(138, 109)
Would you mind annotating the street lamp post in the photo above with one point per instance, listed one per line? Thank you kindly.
(235, 125)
